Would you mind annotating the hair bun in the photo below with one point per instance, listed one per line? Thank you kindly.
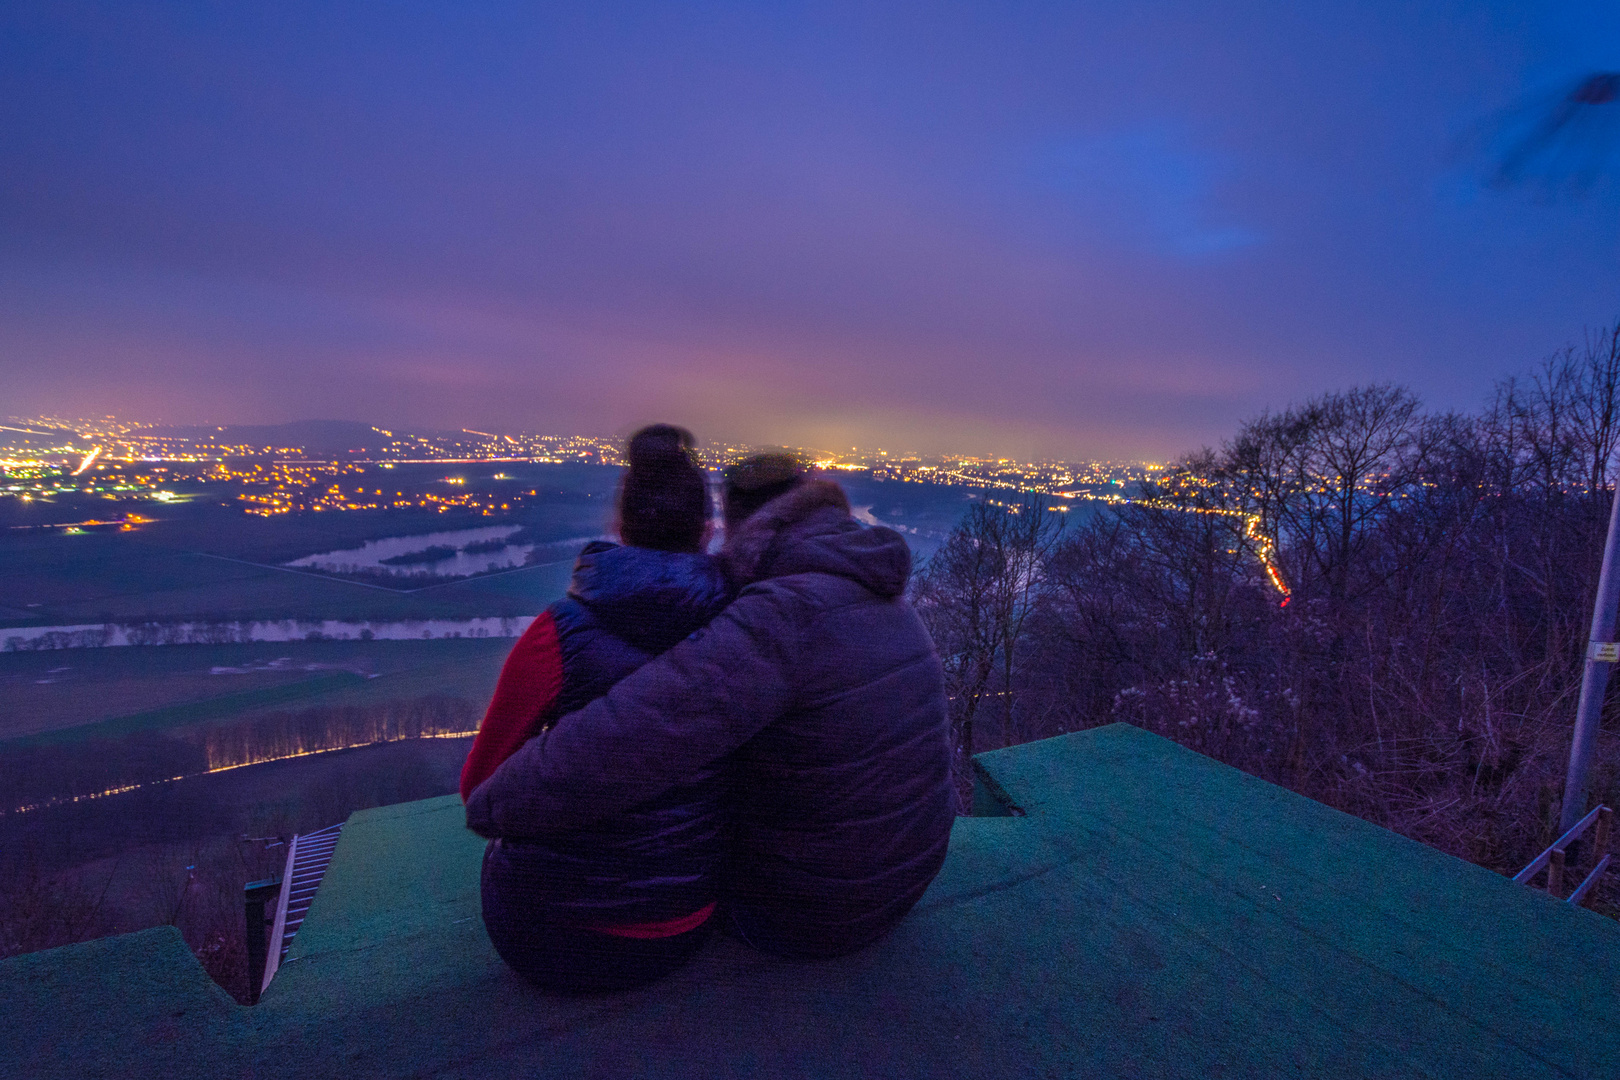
(664, 496)
(660, 447)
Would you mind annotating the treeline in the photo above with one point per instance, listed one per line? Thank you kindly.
(239, 632)
(52, 774)
(93, 637)
(286, 734)
(1383, 608)
(398, 580)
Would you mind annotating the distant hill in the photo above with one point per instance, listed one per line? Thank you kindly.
(314, 436)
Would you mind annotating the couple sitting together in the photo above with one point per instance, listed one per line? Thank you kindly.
(754, 740)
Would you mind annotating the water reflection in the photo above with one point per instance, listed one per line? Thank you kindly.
(489, 553)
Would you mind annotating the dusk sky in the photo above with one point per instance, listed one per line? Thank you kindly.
(1031, 229)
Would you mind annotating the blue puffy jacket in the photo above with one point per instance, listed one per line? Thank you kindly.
(652, 862)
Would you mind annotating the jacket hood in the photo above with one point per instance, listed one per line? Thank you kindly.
(650, 599)
(809, 531)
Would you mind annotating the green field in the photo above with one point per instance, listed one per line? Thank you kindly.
(112, 692)
(52, 579)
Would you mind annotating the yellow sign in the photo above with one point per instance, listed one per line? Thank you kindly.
(1607, 652)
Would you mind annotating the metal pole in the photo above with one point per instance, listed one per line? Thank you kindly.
(1601, 653)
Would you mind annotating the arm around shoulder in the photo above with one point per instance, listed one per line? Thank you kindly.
(662, 724)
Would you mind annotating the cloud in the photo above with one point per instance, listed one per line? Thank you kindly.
(1143, 188)
(1089, 228)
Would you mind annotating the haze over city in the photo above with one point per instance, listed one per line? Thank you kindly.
(1045, 231)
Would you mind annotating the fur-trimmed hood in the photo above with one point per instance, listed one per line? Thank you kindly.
(651, 599)
(810, 530)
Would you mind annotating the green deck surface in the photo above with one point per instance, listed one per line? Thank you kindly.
(1151, 914)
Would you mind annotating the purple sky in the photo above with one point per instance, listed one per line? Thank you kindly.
(1065, 229)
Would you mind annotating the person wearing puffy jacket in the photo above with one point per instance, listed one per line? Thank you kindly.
(820, 690)
(628, 897)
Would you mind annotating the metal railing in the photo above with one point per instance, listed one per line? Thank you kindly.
(1554, 858)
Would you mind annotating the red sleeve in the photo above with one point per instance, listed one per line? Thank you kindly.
(529, 684)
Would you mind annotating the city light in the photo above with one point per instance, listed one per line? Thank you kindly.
(138, 461)
(89, 460)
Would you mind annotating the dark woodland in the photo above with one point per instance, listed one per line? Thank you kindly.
(1416, 663)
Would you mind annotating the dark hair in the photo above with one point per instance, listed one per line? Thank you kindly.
(755, 481)
(664, 496)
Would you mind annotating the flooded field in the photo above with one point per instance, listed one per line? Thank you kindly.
(461, 552)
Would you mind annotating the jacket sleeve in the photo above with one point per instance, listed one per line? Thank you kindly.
(657, 727)
(531, 679)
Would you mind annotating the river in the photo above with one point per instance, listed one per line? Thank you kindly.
(91, 635)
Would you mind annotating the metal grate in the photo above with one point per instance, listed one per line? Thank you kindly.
(308, 856)
(311, 854)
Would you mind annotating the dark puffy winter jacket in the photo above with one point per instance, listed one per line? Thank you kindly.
(645, 863)
(821, 688)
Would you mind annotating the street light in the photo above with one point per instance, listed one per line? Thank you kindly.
(1569, 145)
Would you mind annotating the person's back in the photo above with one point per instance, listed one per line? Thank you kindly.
(822, 690)
(844, 806)
(659, 860)
(628, 897)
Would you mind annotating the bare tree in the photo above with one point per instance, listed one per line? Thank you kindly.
(41, 910)
(1319, 477)
(976, 595)
(1441, 566)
